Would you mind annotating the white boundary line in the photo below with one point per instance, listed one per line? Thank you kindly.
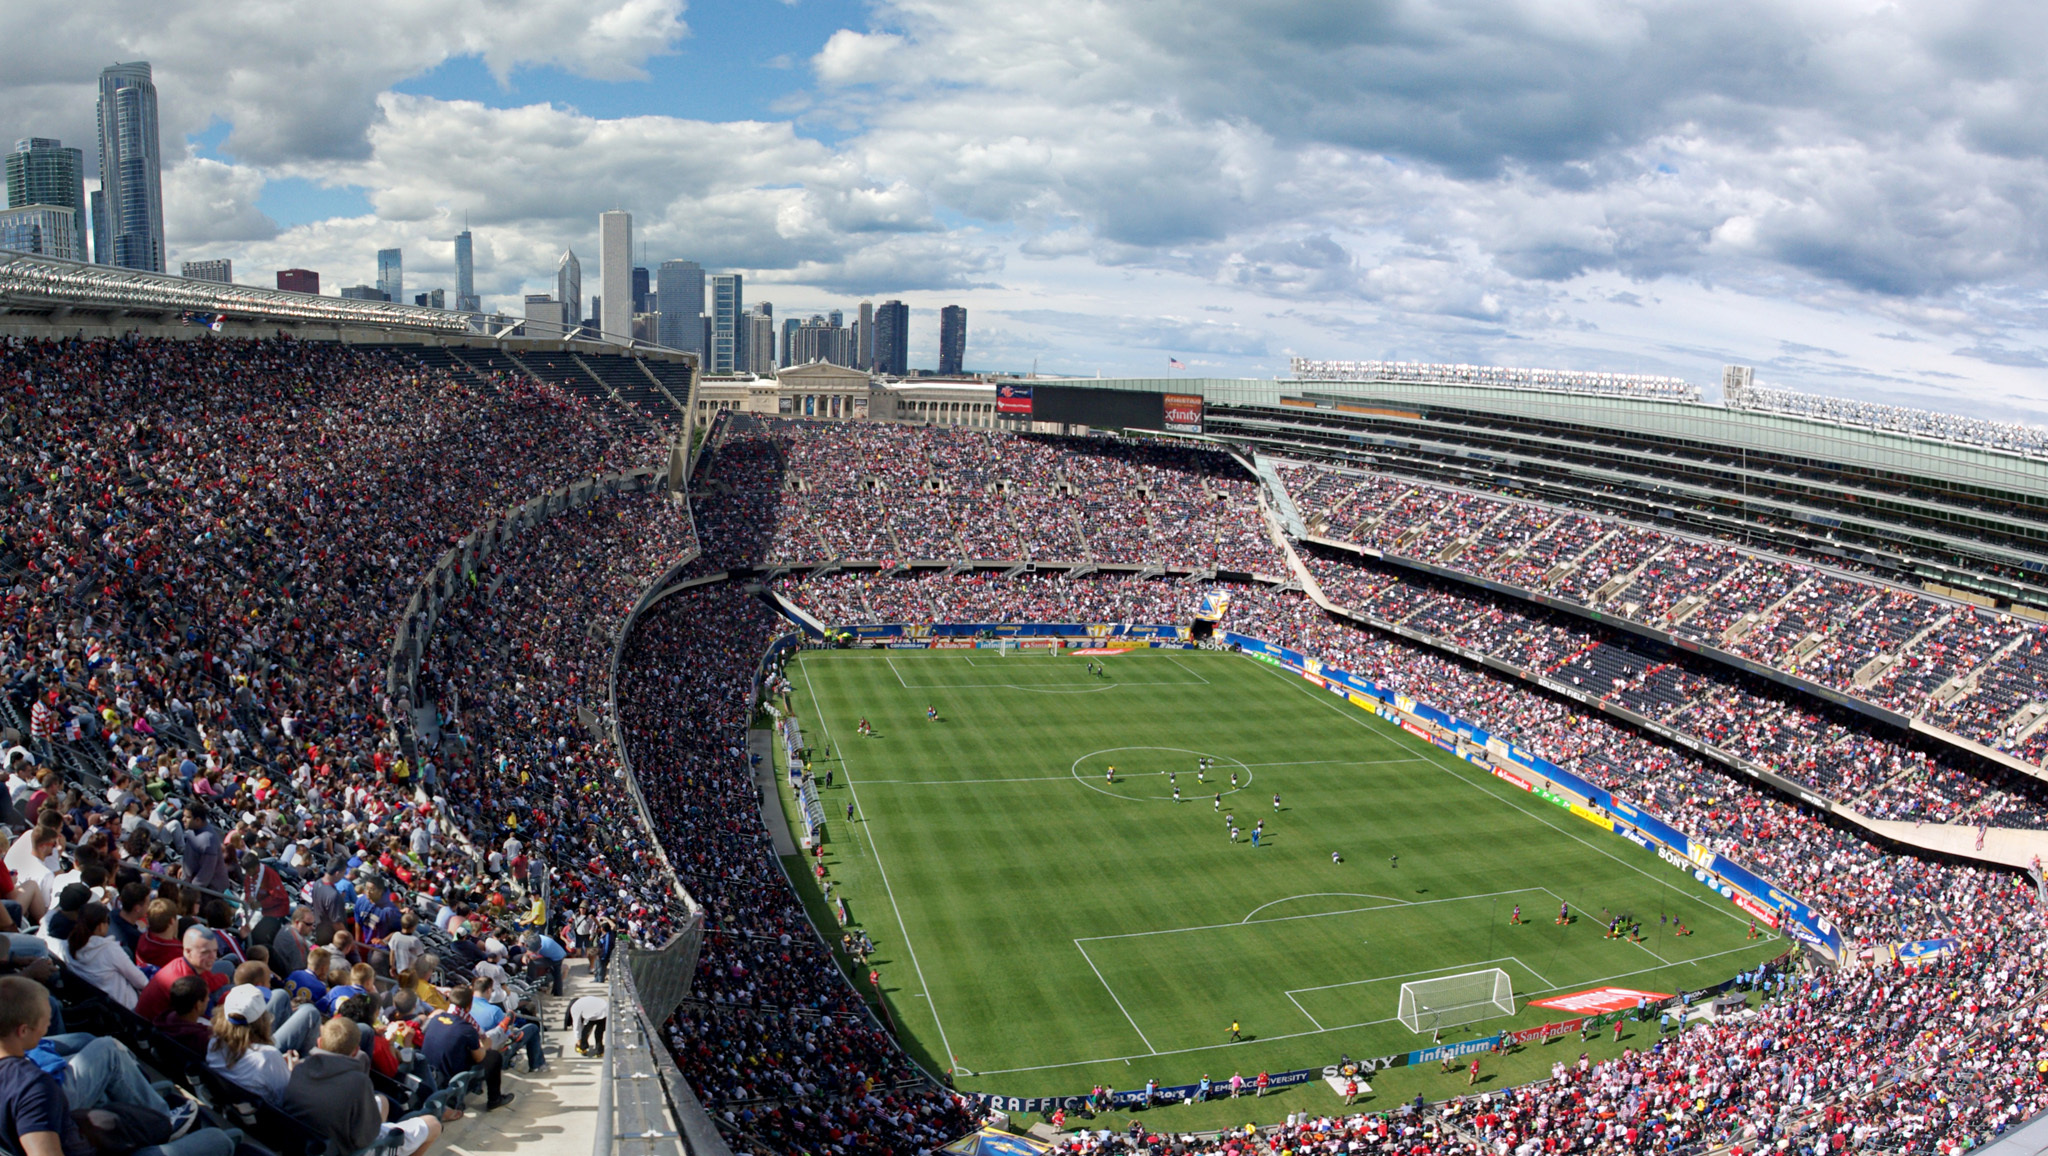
(876, 849)
(1336, 1028)
(1112, 994)
(1320, 914)
(1509, 801)
(1112, 685)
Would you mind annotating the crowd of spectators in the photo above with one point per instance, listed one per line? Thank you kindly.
(223, 854)
(779, 490)
(773, 1038)
(1978, 674)
(222, 848)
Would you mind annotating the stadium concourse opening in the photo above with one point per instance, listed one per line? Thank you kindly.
(250, 718)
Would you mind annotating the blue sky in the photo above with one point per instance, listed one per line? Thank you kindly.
(1848, 196)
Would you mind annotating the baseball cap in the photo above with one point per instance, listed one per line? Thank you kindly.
(246, 1004)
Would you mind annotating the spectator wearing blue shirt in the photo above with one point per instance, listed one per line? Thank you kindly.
(518, 1030)
(544, 956)
(36, 1107)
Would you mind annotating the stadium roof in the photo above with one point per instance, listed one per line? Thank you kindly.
(45, 284)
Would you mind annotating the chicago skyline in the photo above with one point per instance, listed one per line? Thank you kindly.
(1229, 192)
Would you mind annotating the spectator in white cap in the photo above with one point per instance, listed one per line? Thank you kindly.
(245, 1051)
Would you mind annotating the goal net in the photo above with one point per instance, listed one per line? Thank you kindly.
(1451, 1000)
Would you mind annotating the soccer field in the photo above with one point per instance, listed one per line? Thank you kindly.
(1041, 926)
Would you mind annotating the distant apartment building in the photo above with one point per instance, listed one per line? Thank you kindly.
(221, 270)
(44, 230)
(43, 174)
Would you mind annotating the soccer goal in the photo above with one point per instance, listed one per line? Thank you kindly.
(1451, 1000)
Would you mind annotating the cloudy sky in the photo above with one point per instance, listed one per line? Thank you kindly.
(1850, 195)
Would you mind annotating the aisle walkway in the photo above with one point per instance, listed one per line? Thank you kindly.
(556, 1111)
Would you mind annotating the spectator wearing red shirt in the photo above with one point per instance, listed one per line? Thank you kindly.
(200, 952)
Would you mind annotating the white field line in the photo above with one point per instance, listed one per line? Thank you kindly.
(1112, 994)
(876, 848)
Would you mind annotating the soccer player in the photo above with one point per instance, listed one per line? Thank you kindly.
(1515, 916)
(1336, 858)
(1233, 780)
(1752, 927)
(1474, 1077)
(863, 727)
(849, 812)
(1233, 832)
(1176, 794)
(1255, 836)
(1201, 770)
(1394, 861)
(1219, 802)
(1276, 802)
(1681, 927)
(1564, 913)
(932, 713)
(1235, 1034)
(1171, 778)
(1110, 777)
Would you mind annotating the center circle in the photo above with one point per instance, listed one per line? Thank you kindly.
(1138, 768)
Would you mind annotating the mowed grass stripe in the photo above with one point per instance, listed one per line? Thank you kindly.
(1001, 859)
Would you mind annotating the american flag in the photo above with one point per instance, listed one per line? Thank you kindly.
(1175, 363)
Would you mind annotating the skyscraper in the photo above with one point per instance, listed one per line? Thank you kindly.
(615, 275)
(679, 291)
(864, 337)
(391, 274)
(892, 339)
(952, 340)
(728, 350)
(640, 289)
(569, 289)
(128, 211)
(41, 171)
(761, 339)
(466, 299)
(221, 270)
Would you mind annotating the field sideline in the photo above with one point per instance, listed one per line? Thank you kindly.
(1041, 926)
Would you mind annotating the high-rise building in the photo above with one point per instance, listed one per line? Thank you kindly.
(298, 280)
(864, 337)
(727, 349)
(128, 211)
(640, 288)
(364, 293)
(569, 288)
(892, 339)
(815, 339)
(432, 299)
(952, 340)
(45, 230)
(41, 171)
(466, 299)
(221, 270)
(544, 316)
(615, 275)
(391, 274)
(761, 339)
(679, 294)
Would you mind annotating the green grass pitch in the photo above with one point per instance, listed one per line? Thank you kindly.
(1040, 928)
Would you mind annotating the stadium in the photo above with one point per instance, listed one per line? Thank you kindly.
(1588, 768)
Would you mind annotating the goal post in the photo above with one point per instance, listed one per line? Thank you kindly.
(1454, 1000)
